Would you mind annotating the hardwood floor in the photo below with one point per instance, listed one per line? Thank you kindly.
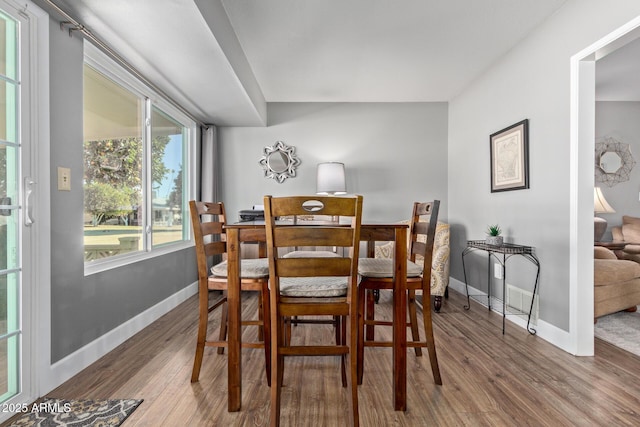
(488, 379)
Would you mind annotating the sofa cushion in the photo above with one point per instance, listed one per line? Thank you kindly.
(628, 256)
(632, 249)
(616, 233)
(612, 271)
(631, 233)
(631, 229)
(600, 252)
(626, 219)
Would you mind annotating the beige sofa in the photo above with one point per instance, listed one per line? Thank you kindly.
(440, 263)
(616, 283)
(628, 232)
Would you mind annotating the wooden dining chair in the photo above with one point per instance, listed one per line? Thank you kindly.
(377, 274)
(208, 220)
(313, 285)
(302, 252)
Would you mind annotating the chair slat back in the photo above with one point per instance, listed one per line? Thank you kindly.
(306, 267)
(207, 220)
(299, 236)
(423, 230)
(311, 234)
(313, 205)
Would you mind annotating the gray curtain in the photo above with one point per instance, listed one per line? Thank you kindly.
(209, 165)
(209, 170)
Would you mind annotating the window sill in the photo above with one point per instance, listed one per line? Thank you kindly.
(118, 261)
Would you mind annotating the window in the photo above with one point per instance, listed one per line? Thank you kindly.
(137, 167)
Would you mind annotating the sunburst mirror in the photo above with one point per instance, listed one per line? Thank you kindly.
(279, 161)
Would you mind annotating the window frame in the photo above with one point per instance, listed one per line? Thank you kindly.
(105, 65)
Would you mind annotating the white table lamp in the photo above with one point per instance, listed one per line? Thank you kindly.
(600, 205)
(330, 179)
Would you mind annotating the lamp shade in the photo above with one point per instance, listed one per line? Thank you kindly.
(600, 204)
(330, 178)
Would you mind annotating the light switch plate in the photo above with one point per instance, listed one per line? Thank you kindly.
(64, 179)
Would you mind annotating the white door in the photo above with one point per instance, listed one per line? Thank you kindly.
(16, 189)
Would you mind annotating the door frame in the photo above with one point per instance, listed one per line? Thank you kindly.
(41, 158)
(582, 158)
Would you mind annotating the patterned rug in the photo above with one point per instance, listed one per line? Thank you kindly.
(621, 329)
(77, 413)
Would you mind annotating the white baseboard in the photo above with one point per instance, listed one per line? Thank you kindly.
(544, 330)
(71, 365)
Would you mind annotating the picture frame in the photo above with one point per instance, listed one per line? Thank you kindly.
(510, 158)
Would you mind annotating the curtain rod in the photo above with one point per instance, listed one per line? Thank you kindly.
(74, 25)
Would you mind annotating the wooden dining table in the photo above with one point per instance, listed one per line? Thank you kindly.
(254, 231)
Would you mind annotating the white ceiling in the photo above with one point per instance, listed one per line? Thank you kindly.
(618, 73)
(377, 50)
(223, 59)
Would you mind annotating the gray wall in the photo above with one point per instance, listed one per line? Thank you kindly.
(84, 308)
(532, 81)
(394, 154)
(620, 120)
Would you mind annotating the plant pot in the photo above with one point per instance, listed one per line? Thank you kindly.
(494, 240)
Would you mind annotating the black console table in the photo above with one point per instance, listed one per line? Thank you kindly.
(507, 250)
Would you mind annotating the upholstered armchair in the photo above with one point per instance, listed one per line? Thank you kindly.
(616, 283)
(629, 233)
(439, 265)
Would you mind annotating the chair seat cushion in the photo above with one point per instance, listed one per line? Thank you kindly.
(313, 286)
(249, 268)
(383, 267)
(311, 254)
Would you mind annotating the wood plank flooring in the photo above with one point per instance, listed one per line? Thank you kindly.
(488, 379)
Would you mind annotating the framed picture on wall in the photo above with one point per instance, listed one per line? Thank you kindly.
(510, 158)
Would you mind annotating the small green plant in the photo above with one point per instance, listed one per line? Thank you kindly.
(494, 230)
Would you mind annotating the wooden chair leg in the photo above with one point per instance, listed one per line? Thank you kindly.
(261, 319)
(370, 315)
(360, 335)
(203, 320)
(351, 337)
(264, 297)
(287, 331)
(277, 365)
(431, 344)
(341, 339)
(224, 320)
(413, 318)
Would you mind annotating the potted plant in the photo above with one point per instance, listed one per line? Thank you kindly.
(493, 235)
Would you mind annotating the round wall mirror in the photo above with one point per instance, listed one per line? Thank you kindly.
(614, 162)
(279, 161)
(610, 162)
